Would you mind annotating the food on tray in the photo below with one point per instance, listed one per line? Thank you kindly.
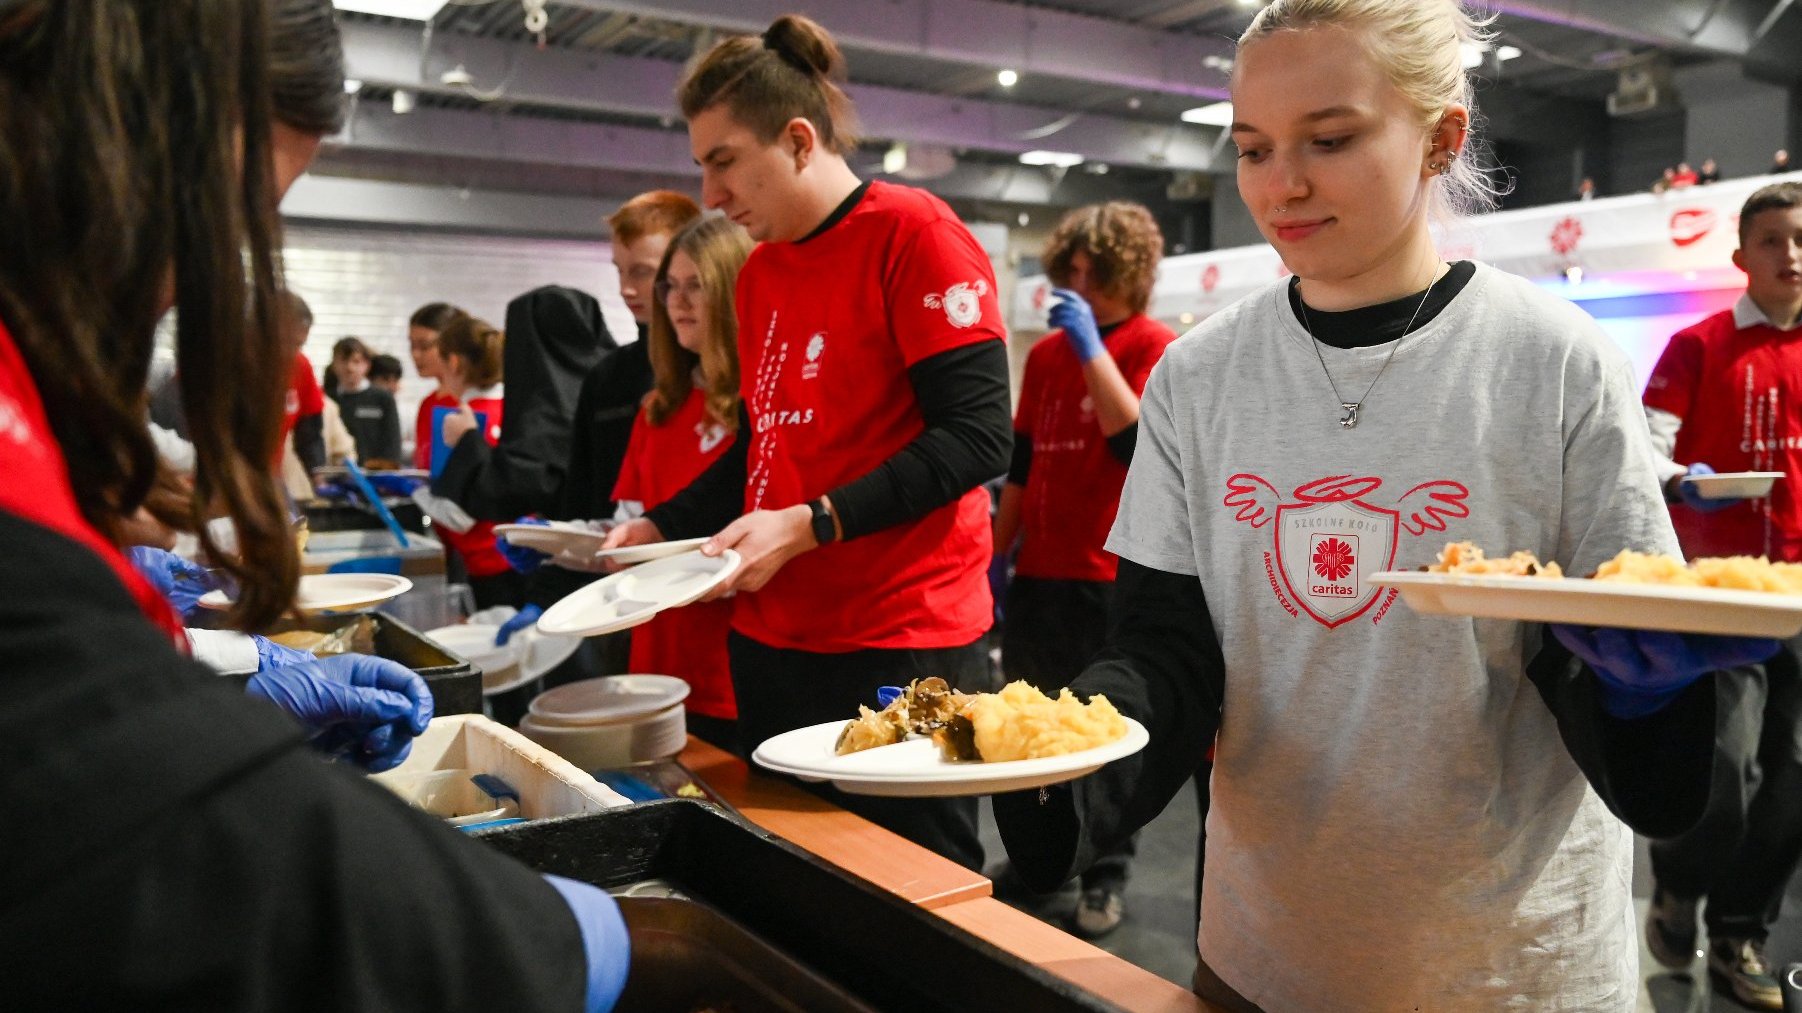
(1463, 557)
(1018, 723)
(1739, 573)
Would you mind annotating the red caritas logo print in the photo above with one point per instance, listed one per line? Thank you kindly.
(1333, 559)
(1689, 225)
(1210, 278)
(1330, 537)
(1566, 235)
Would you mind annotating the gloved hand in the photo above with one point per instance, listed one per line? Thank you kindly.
(1694, 500)
(998, 574)
(181, 581)
(1640, 671)
(337, 491)
(520, 558)
(367, 709)
(1073, 315)
(604, 940)
(271, 654)
(526, 618)
(389, 484)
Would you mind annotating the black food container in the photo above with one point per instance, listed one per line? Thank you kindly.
(726, 916)
(456, 684)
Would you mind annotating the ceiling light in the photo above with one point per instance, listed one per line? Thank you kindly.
(894, 160)
(1506, 52)
(411, 10)
(404, 101)
(352, 86)
(1098, 168)
(1008, 78)
(1219, 114)
(1471, 54)
(1061, 159)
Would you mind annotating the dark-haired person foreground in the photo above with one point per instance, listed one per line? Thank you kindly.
(872, 415)
(189, 852)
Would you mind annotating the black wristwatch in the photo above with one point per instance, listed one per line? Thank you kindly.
(823, 529)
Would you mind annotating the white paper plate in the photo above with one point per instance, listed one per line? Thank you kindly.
(332, 592)
(627, 599)
(914, 768)
(582, 546)
(1733, 484)
(1600, 603)
(525, 656)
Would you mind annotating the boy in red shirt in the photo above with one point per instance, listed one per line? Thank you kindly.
(1726, 395)
(1073, 438)
(302, 414)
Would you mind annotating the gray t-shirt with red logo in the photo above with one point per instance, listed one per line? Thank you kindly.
(1396, 823)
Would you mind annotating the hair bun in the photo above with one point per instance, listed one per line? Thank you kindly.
(805, 46)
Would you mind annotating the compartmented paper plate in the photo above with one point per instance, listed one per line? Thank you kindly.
(626, 599)
(1600, 603)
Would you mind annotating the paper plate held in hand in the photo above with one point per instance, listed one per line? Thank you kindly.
(1733, 484)
(626, 599)
(915, 769)
(580, 545)
(1585, 602)
(331, 592)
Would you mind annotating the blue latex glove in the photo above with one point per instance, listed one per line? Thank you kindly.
(181, 581)
(520, 558)
(336, 491)
(524, 620)
(389, 484)
(362, 708)
(1077, 320)
(271, 654)
(1694, 500)
(998, 575)
(604, 940)
(1640, 671)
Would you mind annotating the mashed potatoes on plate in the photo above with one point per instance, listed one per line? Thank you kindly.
(1021, 723)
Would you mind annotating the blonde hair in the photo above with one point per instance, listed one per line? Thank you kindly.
(1418, 45)
(718, 246)
(1124, 245)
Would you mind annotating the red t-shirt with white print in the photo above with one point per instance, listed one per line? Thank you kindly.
(689, 643)
(1738, 391)
(827, 329)
(1073, 489)
(480, 556)
(35, 485)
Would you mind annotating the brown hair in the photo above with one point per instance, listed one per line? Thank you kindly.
(793, 70)
(1124, 245)
(651, 213)
(479, 343)
(136, 161)
(718, 246)
(1771, 197)
(349, 346)
(434, 316)
(385, 367)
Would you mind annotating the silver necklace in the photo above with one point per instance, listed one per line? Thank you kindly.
(1350, 409)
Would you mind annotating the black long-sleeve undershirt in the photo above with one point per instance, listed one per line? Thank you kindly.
(962, 394)
(1164, 667)
(309, 441)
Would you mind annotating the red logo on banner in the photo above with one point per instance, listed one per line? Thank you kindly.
(1210, 278)
(1691, 224)
(1566, 235)
(1040, 296)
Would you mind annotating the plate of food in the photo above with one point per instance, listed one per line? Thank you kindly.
(331, 592)
(1730, 596)
(933, 741)
(1733, 484)
(631, 597)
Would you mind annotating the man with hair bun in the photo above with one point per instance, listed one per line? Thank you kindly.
(1074, 433)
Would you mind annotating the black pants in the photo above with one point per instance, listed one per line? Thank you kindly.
(1052, 629)
(1742, 853)
(780, 690)
(718, 732)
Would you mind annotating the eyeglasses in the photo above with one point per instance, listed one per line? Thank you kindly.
(690, 291)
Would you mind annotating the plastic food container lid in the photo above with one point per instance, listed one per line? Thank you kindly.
(611, 699)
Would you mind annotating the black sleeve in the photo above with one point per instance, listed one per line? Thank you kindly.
(1652, 772)
(1123, 443)
(713, 500)
(1162, 667)
(963, 399)
(387, 445)
(1021, 466)
(605, 409)
(195, 853)
(309, 441)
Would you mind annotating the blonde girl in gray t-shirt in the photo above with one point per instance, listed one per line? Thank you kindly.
(1409, 811)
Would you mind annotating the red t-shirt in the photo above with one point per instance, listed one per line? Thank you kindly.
(1739, 394)
(1073, 489)
(480, 557)
(35, 485)
(827, 329)
(304, 396)
(689, 642)
(422, 426)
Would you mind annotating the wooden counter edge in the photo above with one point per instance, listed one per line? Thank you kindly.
(845, 839)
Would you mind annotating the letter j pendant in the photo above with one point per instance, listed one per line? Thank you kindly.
(1349, 420)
